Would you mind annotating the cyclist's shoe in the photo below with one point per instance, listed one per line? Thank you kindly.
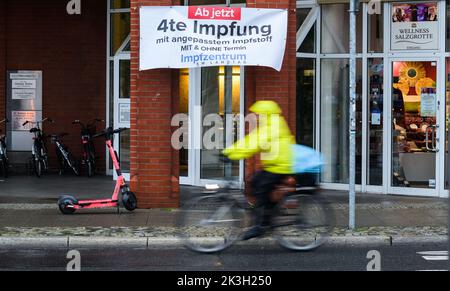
(253, 232)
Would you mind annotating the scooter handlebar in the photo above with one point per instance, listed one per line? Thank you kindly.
(109, 131)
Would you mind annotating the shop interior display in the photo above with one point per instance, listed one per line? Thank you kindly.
(414, 114)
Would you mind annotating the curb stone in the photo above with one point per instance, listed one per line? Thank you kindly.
(107, 242)
(41, 242)
(419, 239)
(161, 242)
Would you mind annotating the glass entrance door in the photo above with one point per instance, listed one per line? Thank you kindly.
(122, 111)
(414, 127)
(212, 97)
(220, 103)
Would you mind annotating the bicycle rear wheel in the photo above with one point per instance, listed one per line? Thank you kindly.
(302, 222)
(210, 224)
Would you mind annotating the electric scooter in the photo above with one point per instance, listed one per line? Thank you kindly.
(69, 204)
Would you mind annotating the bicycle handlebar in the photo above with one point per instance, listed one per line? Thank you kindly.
(109, 131)
(77, 121)
(37, 122)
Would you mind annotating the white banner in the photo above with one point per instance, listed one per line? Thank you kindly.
(203, 36)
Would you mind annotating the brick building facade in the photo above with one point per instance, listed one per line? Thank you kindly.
(154, 164)
(71, 50)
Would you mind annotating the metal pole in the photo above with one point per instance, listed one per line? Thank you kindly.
(352, 116)
(448, 206)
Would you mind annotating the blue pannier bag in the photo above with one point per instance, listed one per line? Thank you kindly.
(306, 159)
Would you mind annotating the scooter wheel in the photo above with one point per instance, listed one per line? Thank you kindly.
(64, 203)
(129, 201)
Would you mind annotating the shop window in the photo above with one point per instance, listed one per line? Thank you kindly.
(335, 29)
(308, 45)
(334, 115)
(220, 95)
(375, 122)
(305, 101)
(447, 112)
(375, 32)
(447, 41)
(119, 4)
(124, 79)
(111, 103)
(127, 47)
(120, 29)
(124, 153)
(184, 108)
(301, 16)
(413, 124)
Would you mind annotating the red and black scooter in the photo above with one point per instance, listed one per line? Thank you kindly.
(69, 204)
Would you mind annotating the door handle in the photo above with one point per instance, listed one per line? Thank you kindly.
(434, 139)
(427, 140)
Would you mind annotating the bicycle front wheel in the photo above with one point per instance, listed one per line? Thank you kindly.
(210, 224)
(302, 222)
(38, 165)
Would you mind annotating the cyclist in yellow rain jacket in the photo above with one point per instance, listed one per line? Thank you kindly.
(273, 139)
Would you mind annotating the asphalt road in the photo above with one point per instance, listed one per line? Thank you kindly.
(408, 257)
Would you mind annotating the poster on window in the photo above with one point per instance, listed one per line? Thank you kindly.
(124, 112)
(414, 26)
(203, 36)
(428, 102)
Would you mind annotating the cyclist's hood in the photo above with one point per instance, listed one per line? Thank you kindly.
(265, 107)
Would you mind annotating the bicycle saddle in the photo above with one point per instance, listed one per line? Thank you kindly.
(34, 129)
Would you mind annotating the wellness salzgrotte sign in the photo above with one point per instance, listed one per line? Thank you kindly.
(202, 36)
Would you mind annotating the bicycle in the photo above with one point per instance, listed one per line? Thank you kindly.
(215, 221)
(65, 158)
(89, 155)
(4, 162)
(39, 151)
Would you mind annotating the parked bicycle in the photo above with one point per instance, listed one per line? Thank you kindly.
(89, 155)
(213, 222)
(39, 151)
(4, 163)
(65, 158)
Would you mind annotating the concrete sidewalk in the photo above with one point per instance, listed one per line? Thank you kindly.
(28, 209)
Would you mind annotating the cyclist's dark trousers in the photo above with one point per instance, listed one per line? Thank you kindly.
(263, 183)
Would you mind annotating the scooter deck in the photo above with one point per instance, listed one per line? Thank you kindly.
(96, 203)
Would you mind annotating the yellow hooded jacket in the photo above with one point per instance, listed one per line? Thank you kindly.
(272, 138)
